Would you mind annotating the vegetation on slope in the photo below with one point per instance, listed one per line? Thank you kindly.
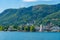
(30, 15)
(53, 18)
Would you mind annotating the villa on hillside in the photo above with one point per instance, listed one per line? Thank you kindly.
(11, 28)
(55, 29)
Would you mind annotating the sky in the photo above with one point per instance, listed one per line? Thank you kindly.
(6, 4)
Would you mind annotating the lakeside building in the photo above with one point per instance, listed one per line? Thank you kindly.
(11, 28)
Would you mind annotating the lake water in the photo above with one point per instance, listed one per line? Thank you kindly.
(29, 36)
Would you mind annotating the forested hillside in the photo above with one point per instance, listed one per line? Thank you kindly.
(31, 15)
(53, 18)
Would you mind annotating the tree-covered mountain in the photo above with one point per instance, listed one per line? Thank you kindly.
(31, 15)
(53, 18)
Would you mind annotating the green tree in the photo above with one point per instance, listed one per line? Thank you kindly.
(1, 28)
(15, 27)
(19, 28)
(26, 28)
(5, 28)
(32, 28)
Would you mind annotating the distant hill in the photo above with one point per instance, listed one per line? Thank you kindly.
(31, 15)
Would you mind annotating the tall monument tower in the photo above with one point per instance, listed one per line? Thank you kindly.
(41, 28)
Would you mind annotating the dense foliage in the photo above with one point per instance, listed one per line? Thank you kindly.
(31, 15)
(53, 18)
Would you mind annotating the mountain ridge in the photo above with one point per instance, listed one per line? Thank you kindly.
(32, 14)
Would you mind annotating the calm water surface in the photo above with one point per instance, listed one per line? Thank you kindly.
(29, 36)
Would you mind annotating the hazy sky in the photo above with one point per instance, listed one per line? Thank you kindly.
(6, 4)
